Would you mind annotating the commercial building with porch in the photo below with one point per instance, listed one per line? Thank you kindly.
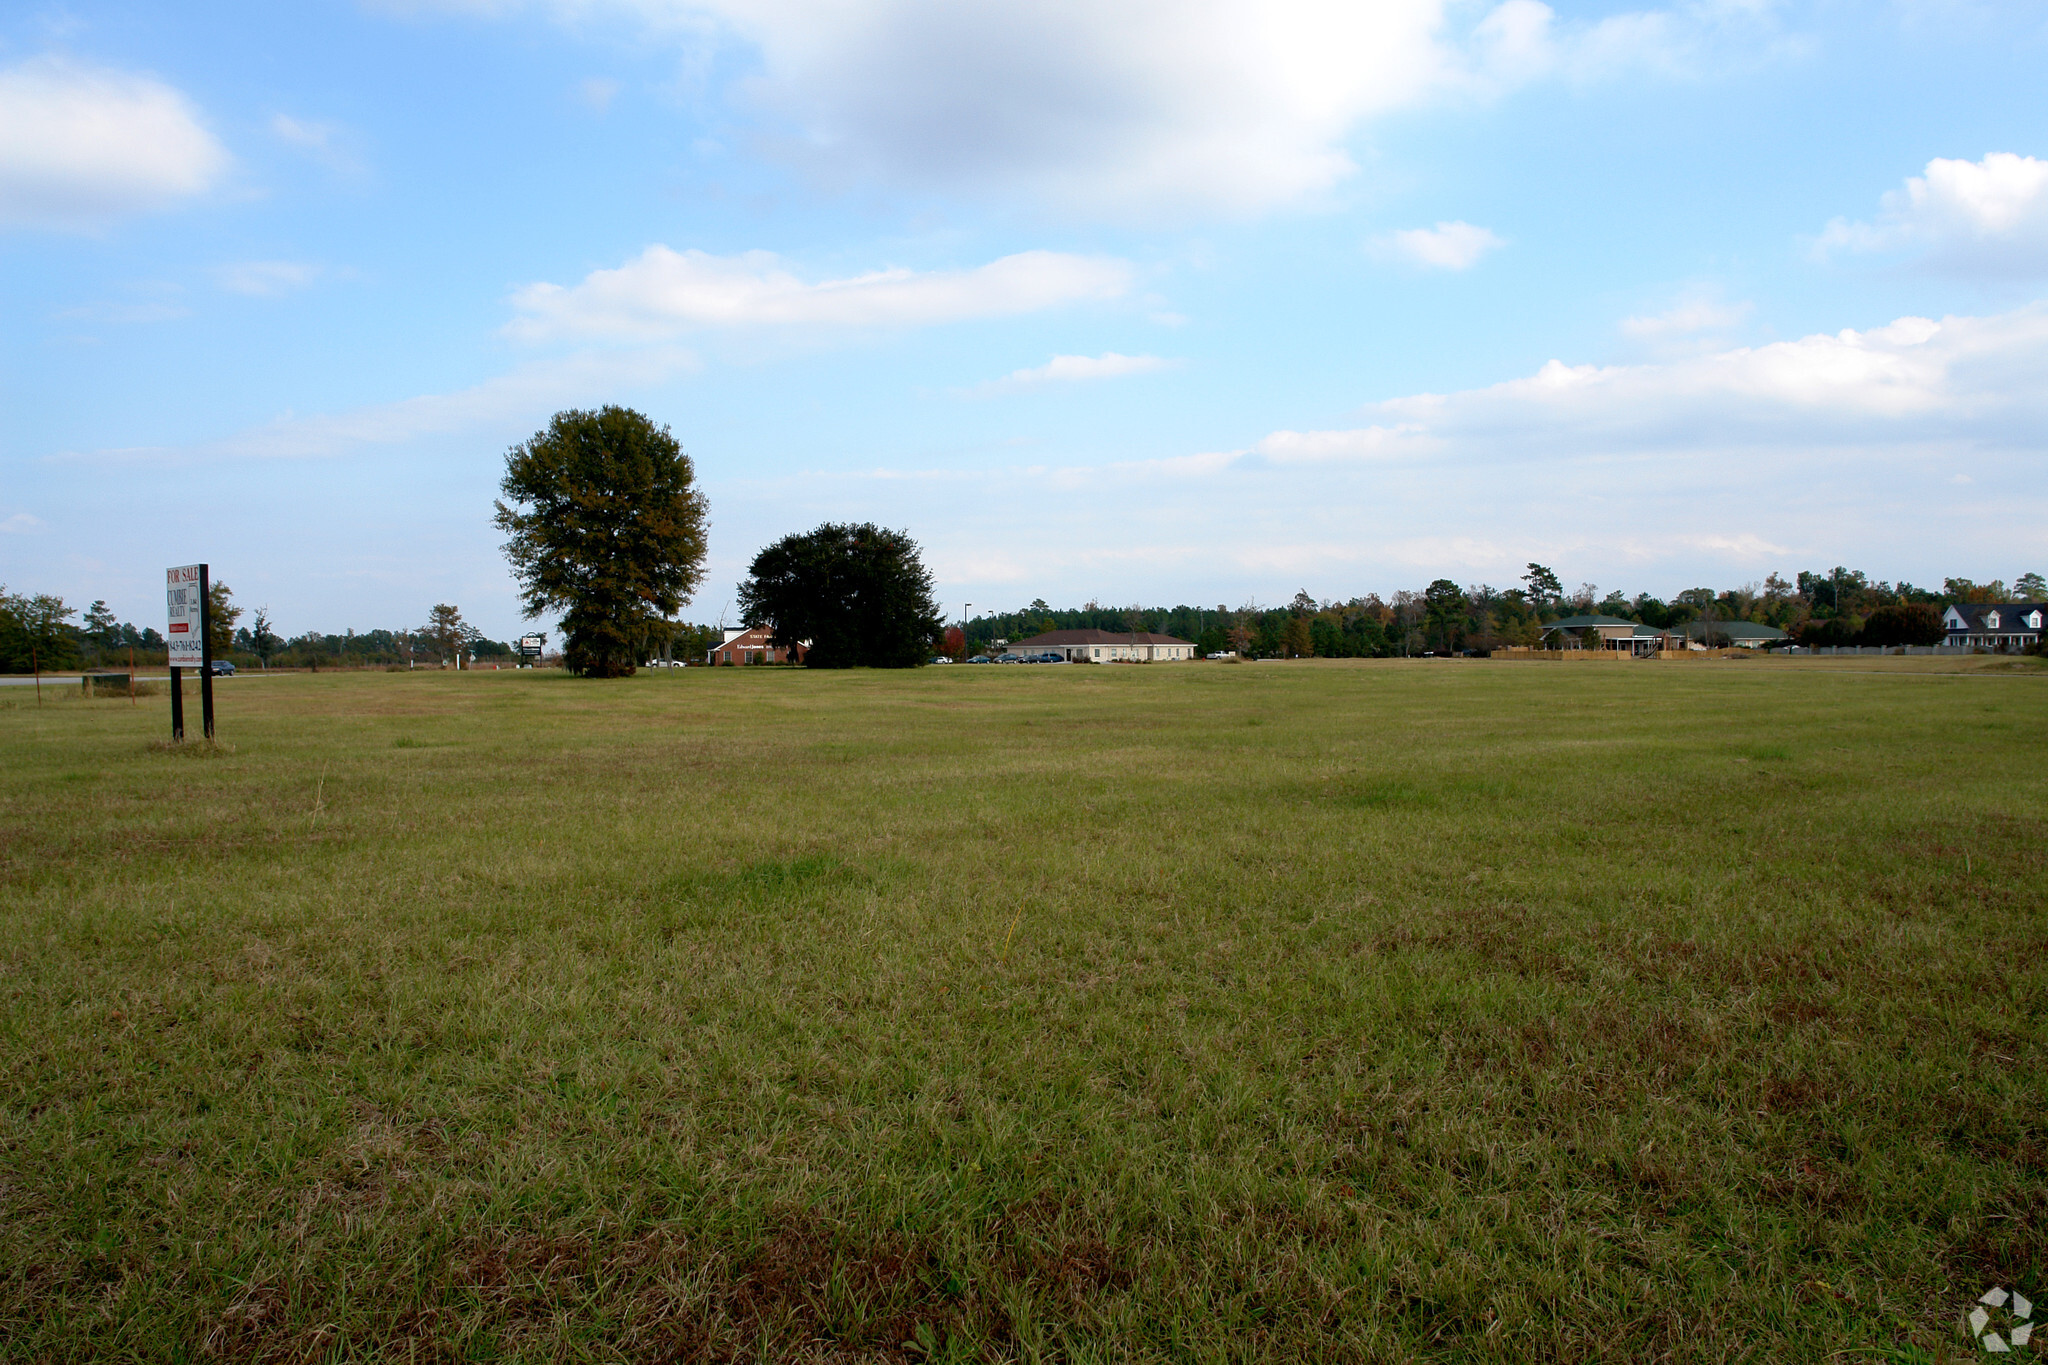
(1107, 647)
(1633, 637)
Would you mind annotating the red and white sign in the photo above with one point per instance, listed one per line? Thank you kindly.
(187, 630)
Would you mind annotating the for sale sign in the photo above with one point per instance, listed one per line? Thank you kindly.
(186, 600)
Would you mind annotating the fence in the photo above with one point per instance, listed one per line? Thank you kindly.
(1803, 651)
(1609, 655)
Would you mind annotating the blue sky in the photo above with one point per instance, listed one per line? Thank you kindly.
(1138, 302)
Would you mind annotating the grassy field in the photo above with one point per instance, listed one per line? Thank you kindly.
(1444, 1010)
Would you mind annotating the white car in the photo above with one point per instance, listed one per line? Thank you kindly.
(940, 659)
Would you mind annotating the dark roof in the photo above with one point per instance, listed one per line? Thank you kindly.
(1581, 622)
(1734, 630)
(1053, 639)
(2011, 615)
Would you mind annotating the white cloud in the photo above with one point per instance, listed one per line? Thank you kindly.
(1141, 107)
(333, 145)
(1912, 367)
(20, 524)
(161, 309)
(83, 144)
(1655, 476)
(1065, 368)
(508, 402)
(265, 279)
(1974, 217)
(1691, 316)
(662, 292)
(598, 93)
(1447, 246)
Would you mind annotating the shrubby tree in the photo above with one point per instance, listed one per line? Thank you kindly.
(606, 525)
(446, 631)
(1297, 641)
(1904, 623)
(221, 615)
(1965, 590)
(263, 641)
(2030, 587)
(35, 631)
(1444, 605)
(855, 596)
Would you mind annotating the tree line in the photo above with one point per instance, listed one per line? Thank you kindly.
(1840, 606)
(41, 631)
(606, 526)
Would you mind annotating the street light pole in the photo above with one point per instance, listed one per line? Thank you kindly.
(965, 607)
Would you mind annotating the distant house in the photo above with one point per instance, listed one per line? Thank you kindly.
(751, 646)
(1106, 647)
(1994, 625)
(1633, 637)
(1615, 633)
(1741, 634)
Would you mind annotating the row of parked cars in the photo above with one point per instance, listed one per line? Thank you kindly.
(1047, 658)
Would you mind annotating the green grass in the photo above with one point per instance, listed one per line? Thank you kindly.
(1455, 1011)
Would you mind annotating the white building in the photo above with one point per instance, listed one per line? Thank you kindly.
(1994, 625)
(1107, 647)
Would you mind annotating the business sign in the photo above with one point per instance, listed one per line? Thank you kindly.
(530, 645)
(185, 597)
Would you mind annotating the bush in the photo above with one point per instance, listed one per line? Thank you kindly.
(1905, 623)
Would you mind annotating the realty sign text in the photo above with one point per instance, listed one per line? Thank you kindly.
(187, 633)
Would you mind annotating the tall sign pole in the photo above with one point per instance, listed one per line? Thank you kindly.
(185, 604)
(205, 652)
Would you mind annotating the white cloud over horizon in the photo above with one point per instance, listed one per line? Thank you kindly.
(1987, 217)
(1755, 459)
(81, 145)
(515, 401)
(1068, 368)
(1246, 107)
(663, 292)
(1453, 245)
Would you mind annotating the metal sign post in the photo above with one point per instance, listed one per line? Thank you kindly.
(205, 652)
(185, 601)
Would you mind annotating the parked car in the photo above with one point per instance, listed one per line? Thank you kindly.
(1050, 658)
(940, 659)
(1223, 654)
(1010, 659)
(981, 659)
(223, 669)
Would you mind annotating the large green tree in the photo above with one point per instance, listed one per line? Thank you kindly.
(854, 596)
(1904, 623)
(221, 615)
(607, 526)
(35, 632)
(1446, 606)
(447, 631)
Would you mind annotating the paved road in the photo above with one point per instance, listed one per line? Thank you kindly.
(73, 679)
